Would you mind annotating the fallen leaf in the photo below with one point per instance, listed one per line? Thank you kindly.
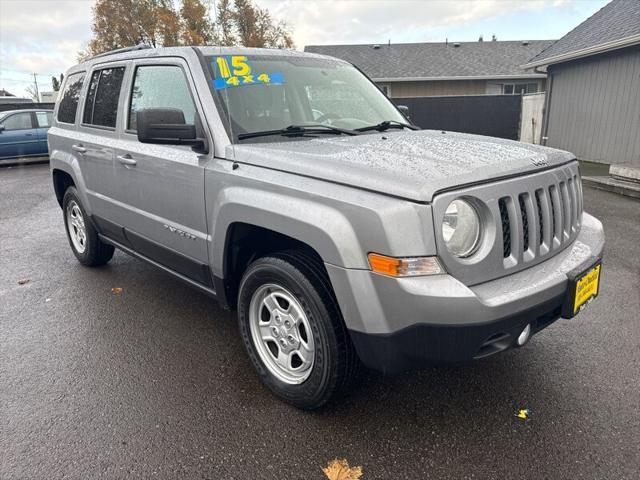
(340, 470)
(23, 281)
(116, 290)
(524, 414)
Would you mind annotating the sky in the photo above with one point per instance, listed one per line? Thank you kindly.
(44, 36)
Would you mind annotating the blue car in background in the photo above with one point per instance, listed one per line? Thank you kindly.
(23, 133)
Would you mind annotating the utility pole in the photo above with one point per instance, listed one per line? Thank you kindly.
(35, 81)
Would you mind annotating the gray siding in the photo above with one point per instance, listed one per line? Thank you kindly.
(594, 110)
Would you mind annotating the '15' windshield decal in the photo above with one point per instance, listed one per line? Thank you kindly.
(236, 71)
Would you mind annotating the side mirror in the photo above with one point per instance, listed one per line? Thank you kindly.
(404, 110)
(1, 128)
(166, 126)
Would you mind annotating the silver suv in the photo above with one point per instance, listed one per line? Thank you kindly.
(288, 186)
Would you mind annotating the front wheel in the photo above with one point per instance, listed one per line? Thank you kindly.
(82, 235)
(293, 331)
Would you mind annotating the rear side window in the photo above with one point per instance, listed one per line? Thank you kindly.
(101, 106)
(18, 121)
(70, 96)
(44, 119)
(160, 86)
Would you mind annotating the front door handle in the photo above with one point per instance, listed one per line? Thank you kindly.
(126, 160)
(78, 148)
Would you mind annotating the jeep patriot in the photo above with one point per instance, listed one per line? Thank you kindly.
(290, 188)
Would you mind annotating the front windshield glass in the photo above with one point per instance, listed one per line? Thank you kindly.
(264, 93)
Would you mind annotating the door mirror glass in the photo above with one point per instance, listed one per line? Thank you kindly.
(165, 126)
(1, 128)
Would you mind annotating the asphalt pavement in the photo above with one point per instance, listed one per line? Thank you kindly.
(154, 382)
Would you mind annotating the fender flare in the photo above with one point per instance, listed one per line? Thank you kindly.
(323, 228)
(68, 164)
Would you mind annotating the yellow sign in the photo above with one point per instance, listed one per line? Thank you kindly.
(236, 70)
(587, 288)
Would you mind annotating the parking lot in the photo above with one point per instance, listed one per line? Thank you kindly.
(154, 382)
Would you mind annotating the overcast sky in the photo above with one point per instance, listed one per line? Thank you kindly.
(44, 36)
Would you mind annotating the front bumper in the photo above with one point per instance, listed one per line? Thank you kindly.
(401, 324)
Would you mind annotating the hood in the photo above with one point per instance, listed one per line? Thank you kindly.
(414, 165)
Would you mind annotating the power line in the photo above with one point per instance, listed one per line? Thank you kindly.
(22, 72)
(13, 80)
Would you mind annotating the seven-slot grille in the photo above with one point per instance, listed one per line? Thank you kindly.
(538, 222)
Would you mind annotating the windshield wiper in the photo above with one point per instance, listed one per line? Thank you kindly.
(386, 125)
(298, 130)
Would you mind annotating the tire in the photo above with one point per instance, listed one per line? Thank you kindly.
(81, 233)
(334, 362)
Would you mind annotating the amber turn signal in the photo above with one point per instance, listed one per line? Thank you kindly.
(404, 267)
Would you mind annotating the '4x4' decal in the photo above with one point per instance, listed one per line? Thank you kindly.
(235, 71)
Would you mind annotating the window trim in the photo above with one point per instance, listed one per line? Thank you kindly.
(132, 80)
(522, 83)
(385, 88)
(45, 112)
(99, 68)
(13, 115)
(80, 97)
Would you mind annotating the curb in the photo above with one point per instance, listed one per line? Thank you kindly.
(609, 184)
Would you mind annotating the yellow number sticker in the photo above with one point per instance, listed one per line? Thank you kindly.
(240, 66)
(236, 71)
(223, 66)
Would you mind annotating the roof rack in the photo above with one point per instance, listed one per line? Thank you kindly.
(122, 50)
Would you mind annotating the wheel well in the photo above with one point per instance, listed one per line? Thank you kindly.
(61, 181)
(244, 244)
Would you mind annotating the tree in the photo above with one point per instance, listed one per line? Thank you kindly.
(225, 14)
(197, 29)
(55, 83)
(33, 93)
(126, 23)
(244, 23)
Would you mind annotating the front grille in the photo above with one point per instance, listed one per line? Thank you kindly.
(539, 194)
(536, 223)
(527, 220)
(506, 229)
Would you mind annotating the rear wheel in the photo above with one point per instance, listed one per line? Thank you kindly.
(293, 330)
(83, 237)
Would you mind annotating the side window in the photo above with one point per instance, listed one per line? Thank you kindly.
(69, 99)
(44, 119)
(18, 121)
(160, 86)
(101, 105)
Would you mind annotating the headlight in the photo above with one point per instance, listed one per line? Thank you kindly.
(461, 228)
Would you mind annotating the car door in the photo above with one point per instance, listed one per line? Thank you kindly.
(18, 137)
(160, 188)
(97, 136)
(43, 122)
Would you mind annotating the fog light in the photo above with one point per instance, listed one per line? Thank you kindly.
(524, 335)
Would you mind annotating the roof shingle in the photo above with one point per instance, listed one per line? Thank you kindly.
(488, 59)
(615, 21)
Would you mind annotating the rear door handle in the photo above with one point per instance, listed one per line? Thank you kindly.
(78, 148)
(126, 160)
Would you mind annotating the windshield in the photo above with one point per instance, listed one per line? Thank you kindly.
(264, 93)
